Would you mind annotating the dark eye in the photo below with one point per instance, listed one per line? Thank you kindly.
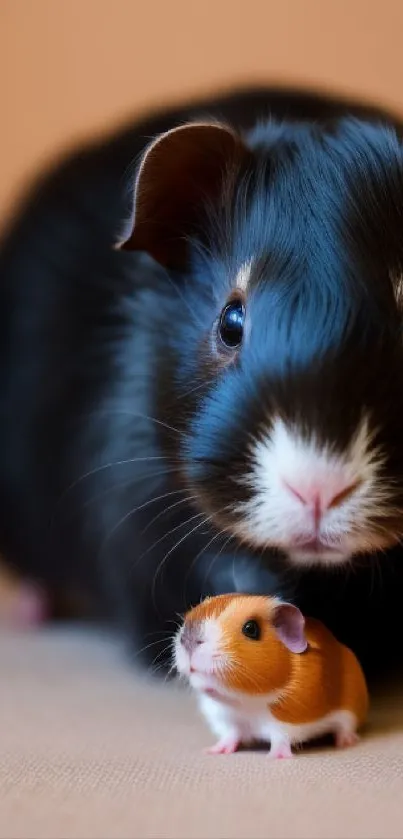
(231, 324)
(251, 629)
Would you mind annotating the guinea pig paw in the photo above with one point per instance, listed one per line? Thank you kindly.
(280, 751)
(225, 746)
(345, 739)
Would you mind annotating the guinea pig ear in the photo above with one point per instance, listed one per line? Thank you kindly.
(289, 624)
(179, 171)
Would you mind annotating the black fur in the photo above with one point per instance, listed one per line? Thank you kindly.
(94, 343)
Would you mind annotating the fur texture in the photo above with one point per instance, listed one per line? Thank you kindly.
(129, 434)
(261, 672)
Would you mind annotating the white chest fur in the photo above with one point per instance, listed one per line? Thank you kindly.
(250, 719)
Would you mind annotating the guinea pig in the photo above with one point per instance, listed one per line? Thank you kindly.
(264, 673)
(201, 367)
(291, 438)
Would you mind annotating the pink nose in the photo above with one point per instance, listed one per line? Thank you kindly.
(322, 496)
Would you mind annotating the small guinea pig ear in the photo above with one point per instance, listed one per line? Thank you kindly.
(289, 624)
(179, 171)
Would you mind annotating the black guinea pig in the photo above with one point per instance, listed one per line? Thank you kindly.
(202, 376)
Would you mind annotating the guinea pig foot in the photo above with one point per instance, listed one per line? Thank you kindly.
(345, 739)
(225, 746)
(280, 751)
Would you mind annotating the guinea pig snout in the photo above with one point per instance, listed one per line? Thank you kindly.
(198, 648)
(311, 502)
(321, 492)
(191, 636)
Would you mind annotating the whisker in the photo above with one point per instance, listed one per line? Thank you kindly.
(107, 466)
(133, 512)
(169, 672)
(175, 623)
(167, 509)
(165, 536)
(162, 652)
(148, 646)
(155, 666)
(205, 383)
(134, 480)
(135, 414)
(213, 561)
(189, 392)
(171, 550)
(194, 561)
(154, 670)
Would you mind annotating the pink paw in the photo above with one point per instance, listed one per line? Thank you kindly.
(226, 746)
(345, 739)
(281, 752)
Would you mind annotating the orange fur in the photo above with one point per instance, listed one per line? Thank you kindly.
(326, 678)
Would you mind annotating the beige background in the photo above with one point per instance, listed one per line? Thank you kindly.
(69, 67)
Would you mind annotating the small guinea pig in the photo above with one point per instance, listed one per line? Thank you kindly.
(262, 672)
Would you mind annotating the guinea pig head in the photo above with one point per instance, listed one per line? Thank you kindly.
(280, 329)
(239, 643)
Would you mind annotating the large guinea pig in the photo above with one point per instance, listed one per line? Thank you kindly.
(202, 386)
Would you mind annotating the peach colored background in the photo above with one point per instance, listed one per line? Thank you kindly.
(69, 67)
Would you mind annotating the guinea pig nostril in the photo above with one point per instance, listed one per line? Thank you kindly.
(191, 637)
(293, 491)
(338, 499)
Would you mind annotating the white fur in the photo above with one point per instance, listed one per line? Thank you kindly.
(248, 723)
(243, 276)
(282, 457)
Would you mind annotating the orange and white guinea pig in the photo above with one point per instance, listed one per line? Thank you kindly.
(262, 672)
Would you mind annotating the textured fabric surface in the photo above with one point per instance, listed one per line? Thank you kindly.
(89, 748)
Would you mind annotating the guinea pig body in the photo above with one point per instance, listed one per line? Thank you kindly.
(263, 673)
(201, 367)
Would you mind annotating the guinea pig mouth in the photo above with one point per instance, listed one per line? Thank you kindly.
(315, 546)
(318, 551)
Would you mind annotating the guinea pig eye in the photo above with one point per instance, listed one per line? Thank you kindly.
(251, 629)
(231, 324)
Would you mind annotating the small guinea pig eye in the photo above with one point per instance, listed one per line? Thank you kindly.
(251, 629)
(231, 324)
